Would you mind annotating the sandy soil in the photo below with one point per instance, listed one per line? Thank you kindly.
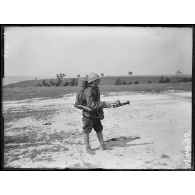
(153, 132)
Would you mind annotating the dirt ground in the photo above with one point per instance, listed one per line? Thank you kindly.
(153, 132)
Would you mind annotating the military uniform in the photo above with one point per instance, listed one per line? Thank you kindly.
(91, 99)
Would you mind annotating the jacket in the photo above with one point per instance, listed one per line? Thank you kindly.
(91, 99)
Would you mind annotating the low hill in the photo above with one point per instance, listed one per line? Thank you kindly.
(15, 79)
(28, 83)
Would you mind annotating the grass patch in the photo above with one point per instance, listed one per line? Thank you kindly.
(147, 87)
(36, 92)
(36, 146)
(59, 92)
(10, 116)
(35, 138)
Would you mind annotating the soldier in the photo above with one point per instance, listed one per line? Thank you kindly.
(91, 98)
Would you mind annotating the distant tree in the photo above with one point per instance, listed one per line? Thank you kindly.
(187, 79)
(73, 82)
(52, 82)
(124, 83)
(78, 75)
(44, 83)
(164, 80)
(66, 83)
(117, 82)
(130, 73)
(130, 83)
(60, 78)
(136, 82)
(86, 76)
(167, 79)
(38, 85)
(178, 73)
(102, 74)
(161, 79)
(62, 75)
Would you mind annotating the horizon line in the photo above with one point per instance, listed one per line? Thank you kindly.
(100, 75)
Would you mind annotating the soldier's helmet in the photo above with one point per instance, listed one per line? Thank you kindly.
(93, 77)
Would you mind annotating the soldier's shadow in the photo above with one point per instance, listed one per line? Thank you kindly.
(123, 142)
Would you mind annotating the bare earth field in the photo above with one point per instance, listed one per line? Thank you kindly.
(153, 132)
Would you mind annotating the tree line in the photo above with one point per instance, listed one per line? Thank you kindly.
(162, 79)
(59, 81)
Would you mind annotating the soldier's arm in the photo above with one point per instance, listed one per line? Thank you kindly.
(91, 103)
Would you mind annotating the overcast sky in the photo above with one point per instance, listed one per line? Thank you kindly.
(46, 51)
